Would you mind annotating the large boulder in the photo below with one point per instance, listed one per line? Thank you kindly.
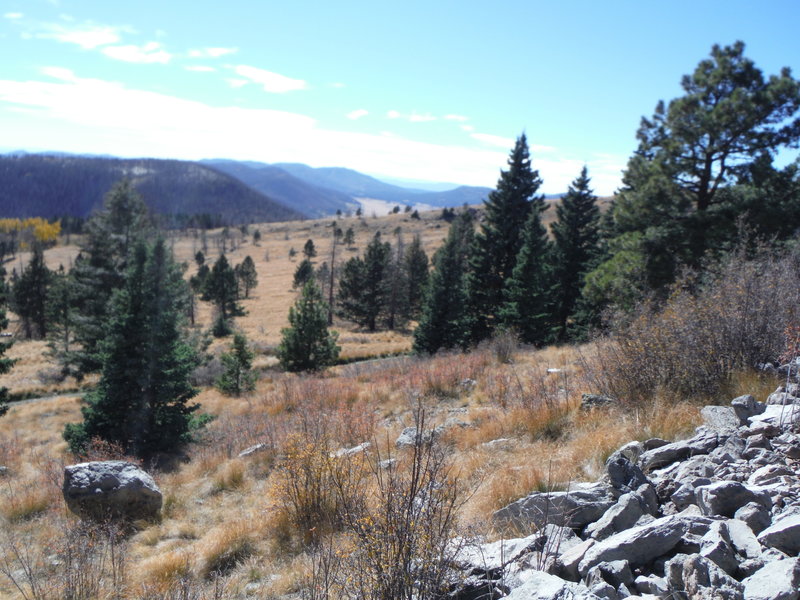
(704, 442)
(694, 577)
(778, 580)
(576, 508)
(112, 489)
(783, 534)
(724, 498)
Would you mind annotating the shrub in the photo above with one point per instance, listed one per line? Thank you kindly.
(705, 332)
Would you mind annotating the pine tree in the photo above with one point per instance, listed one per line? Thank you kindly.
(221, 289)
(416, 267)
(444, 322)
(141, 401)
(498, 243)
(397, 309)
(62, 312)
(247, 275)
(303, 273)
(100, 269)
(307, 345)
(309, 250)
(528, 297)
(5, 363)
(362, 291)
(349, 237)
(576, 234)
(29, 295)
(237, 376)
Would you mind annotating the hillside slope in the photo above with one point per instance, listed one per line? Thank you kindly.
(52, 185)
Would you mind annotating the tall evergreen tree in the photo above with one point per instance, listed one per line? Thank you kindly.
(362, 290)
(528, 292)
(141, 401)
(29, 295)
(5, 363)
(444, 322)
(303, 273)
(576, 235)
(499, 240)
(62, 314)
(100, 269)
(307, 344)
(416, 267)
(237, 376)
(247, 275)
(220, 288)
(397, 309)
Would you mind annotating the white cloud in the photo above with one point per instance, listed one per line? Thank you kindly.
(357, 114)
(13, 15)
(200, 68)
(392, 114)
(494, 140)
(211, 52)
(151, 52)
(415, 118)
(237, 83)
(88, 36)
(273, 83)
(70, 113)
(459, 118)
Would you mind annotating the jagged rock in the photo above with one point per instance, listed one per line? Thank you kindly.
(3, 471)
(783, 534)
(574, 508)
(639, 545)
(702, 443)
(652, 584)
(603, 590)
(616, 573)
(623, 474)
(787, 444)
(632, 451)
(720, 418)
(111, 489)
(743, 539)
(567, 564)
(543, 586)
(781, 398)
(769, 474)
(777, 415)
(745, 407)
(724, 498)
(409, 437)
(697, 578)
(716, 546)
(625, 513)
(653, 443)
(777, 580)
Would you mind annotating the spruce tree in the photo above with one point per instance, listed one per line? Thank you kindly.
(416, 268)
(349, 237)
(5, 363)
(221, 289)
(247, 275)
(309, 250)
(528, 298)
(307, 345)
(444, 322)
(237, 376)
(397, 309)
(576, 235)
(303, 273)
(362, 290)
(100, 269)
(141, 401)
(499, 240)
(29, 295)
(62, 312)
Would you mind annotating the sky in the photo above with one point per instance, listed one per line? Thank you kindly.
(434, 90)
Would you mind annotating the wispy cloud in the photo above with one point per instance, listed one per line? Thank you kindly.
(273, 83)
(200, 68)
(88, 36)
(413, 117)
(493, 140)
(467, 128)
(357, 114)
(211, 52)
(151, 52)
(13, 15)
(459, 118)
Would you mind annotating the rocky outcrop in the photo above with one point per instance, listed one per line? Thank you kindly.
(715, 516)
(111, 489)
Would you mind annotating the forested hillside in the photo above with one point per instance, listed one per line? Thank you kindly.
(52, 186)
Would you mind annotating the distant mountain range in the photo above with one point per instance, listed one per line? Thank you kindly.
(57, 184)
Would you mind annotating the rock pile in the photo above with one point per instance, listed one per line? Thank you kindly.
(715, 516)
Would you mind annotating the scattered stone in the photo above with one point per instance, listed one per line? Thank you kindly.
(720, 418)
(543, 586)
(746, 407)
(724, 498)
(363, 447)
(783, 534)
(624, 514)
(777, 580)
(623, 474)
(696, 577)
(111, 489)
(409, 437)
(702, 443)
(3, 471)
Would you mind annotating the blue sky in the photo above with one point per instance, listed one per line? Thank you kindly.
(421, 90)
